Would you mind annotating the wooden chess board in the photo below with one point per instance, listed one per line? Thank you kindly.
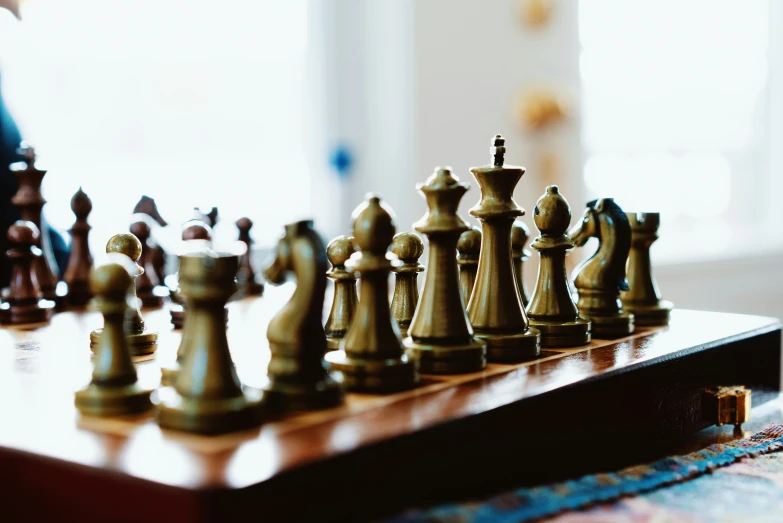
(568, 412)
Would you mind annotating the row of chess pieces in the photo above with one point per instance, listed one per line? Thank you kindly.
(473, 308)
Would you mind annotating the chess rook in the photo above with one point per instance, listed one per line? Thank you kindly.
(114, 389)
(519, 237)
(552, 309)
(207, 396)
(298, 375)
(468, 250)
(371, 356)
(25, 304)
(345, 297)
(30, 202)
(141, 340)
(77, 275)
(248, 284)
(408, 248)
(643, 298)
(440, 335)
(147, 281)
(495, 309)
(600, 279)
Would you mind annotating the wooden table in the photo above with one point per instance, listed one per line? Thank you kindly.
(572, 411)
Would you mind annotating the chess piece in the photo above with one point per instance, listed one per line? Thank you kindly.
(210, 217)
(207, 396)
(552, 309)
(25, 303)
(30, 203)
(440, 335)
(196, 236)
(468, 250)
(114, 389)
(248, 285)
(519, 236)
(643, 298)
(141, 340)
(298, 375)
(495, 309)
(147, 205)
(371, 356)
(600, 279)
(345, 297)
(147, 282)
(77, 274)
(408, 248)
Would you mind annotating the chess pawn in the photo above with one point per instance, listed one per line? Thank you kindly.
(495, 309)
(30, 203)
(248, 285)
(600, 279)
(643, 298)
(371, 356)
(552, 309)
(141, 340)
(468, 250)
(207, 396)
(345, 297)
(519, 236)
(147, 282)
(114, 389)
(147, 205)
(77, 274)
(25, 302)
(298, 375)
(440, 335)
(196, 236)
(408, 248)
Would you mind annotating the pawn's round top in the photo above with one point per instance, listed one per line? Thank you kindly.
(141, 229)
(110, 280)
(373, 226)
(81, 205)
(407, 246)
(244, 223)
(196, 230)
(339, 250)
(470, 241)
(519, 235)
(23, 233)
(442, 178)
(552, 214)
(125, 243)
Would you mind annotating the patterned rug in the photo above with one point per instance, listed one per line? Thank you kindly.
(737, 481)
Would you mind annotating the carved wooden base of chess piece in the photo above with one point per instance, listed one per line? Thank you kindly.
(210, 416)
(40, 311)
(594, 304)
(97, 400)
(563, 334)
(140, 344)
(283, 397)
(650, 315)
(451, 359)
(365, 375)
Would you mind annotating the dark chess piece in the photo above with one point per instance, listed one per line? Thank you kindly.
(600, 279)
(519, 236)
(77, 275)
(147, 284)
(408, 248)
(440, 335)
(643, 298)
(207, 396)
(248, 284)
(141, 340)
(147, 205)
(30, 203)
(196, 237)
(210, 217)
(495, 309)
(371, 357)
(25, 304)
(468, 251)
(552, 309)
(114, 389)
(345, 297)
(298, 375)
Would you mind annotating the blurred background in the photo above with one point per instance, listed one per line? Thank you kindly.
(280, 110)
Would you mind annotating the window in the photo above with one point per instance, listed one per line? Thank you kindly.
(193, 103)
(674, 115)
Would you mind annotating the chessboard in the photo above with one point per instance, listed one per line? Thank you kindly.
(567, 412)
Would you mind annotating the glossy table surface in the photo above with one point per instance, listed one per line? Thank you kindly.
(41, 368)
